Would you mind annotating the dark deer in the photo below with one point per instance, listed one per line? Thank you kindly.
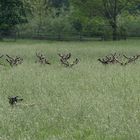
(109, 59)
(113, 58)
(14, 99)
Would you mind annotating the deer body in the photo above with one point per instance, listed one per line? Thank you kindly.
(13, 100)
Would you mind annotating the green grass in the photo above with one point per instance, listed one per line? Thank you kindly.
(87, 102)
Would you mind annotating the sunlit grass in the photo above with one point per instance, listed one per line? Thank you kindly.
(87, 102)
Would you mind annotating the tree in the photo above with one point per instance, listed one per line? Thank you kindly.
(58, 3)
(108, 9)
(112, 9)
(12, 12)
(39, 11)
(46, 20)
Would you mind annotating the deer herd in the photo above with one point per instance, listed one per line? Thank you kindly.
(115, 58)
(42, 59)
(123, 60)
(65, 59)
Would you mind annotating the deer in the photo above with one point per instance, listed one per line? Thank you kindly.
(131, 59)
(109, 59)
(14, 99)
(64, 59)
(14, 61)
(113, 58)
(42, 59)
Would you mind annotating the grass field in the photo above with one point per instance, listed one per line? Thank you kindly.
(87, 102)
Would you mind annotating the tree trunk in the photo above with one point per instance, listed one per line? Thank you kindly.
(115, 21)
(1, 38)
(114, 27)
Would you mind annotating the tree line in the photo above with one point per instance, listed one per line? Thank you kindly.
(113, 19)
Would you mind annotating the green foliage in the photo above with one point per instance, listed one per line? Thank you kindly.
(11, 13)
(90, 17)
(50, 24)
(130, 23)
(77, 25)
(58, 3)
(89, 8)
(109, 10)
(58, 23)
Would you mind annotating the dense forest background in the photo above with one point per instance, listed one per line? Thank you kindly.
(110, 19)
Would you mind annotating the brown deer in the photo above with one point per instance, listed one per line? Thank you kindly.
(14, 61)
(113, 58)
(64, 59)
(42, 59)
(109, 59)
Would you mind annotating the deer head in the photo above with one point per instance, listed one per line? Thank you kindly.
(42, 59)
(64, 59)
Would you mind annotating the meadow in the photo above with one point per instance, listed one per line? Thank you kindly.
(89, 101)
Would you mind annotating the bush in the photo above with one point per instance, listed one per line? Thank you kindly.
(130, 25)
(56, 22)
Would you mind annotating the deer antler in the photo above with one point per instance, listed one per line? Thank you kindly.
(42, 59)
(111, 59)
(65, 56)
(76, 61)
(131, 59)
(64, 60)
(14, 61)
(9, 57)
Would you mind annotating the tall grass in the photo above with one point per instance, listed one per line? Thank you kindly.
(87, 102)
